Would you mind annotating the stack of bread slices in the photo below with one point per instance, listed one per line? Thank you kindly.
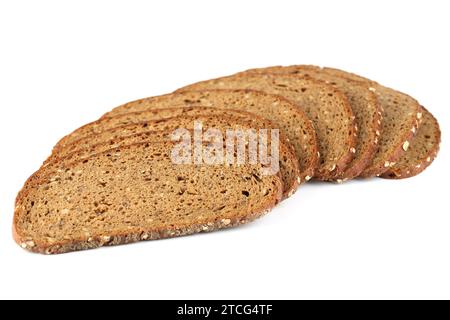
(114, 181)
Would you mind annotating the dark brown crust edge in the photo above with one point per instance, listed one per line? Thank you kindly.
(347, 158)
(366, 158)
(135, 236)
(403, 173)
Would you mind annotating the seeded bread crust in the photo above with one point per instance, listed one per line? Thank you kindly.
(422, 151)
(40, 245)
(365, 106)
(321, 102)
(132, 237)
(285, 115)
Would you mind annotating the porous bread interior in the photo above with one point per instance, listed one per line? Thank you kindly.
(282, 113)
(136, 132)
(289, 169)
(101, 125)
(160, 119)
(138, 188)
(328, 110)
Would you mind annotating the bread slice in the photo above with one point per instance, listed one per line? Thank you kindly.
(365, 107)
(422, 151)
(137, 193)
(400, 120)
(327, 107)
(284, 114)
(114, 136)
(131, 123)
(101, 125)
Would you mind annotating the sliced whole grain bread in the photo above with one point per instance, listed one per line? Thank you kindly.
(400, 121)
(155, 120)
(101, 125)
(284, 114)
(137, 194)
(326, 106)
(365, 107)
(113, 136)
(422, 151)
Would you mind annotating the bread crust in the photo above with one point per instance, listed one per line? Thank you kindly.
(135, 236)
(366, 158)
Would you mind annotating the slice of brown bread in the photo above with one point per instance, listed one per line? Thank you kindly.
(138, 194)
(400, 121)
(113, 136)
(155, 120)
(422, 151)
(284, 114)
(327, 107)
(365, 107)
(101, 125)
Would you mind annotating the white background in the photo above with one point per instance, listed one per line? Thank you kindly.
(64, 63)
